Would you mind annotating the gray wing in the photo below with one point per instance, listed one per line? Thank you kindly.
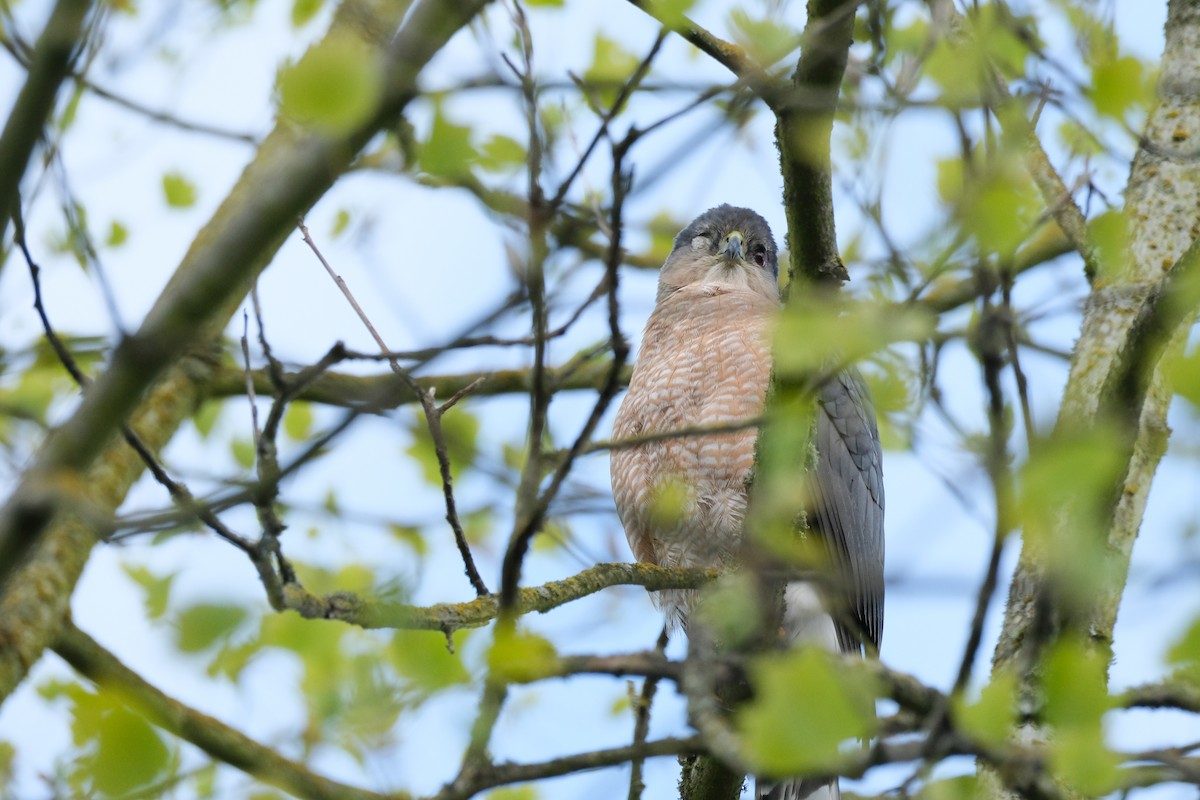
(848, 507)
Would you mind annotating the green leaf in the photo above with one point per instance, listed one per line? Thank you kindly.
(424, 659)
(521, 657)
(178, 190)
(1184, 654)
(203, 625)
(121, 750)
(1062, 500)
(460, 430)
(130, 753)
(806, 705)
(352, 577)
(1000, 207)
(157, 590)
(612, 65)
(810, 333)
(340, 223)
(117, 234)
(673, 13)
(663, 228)
(960, 64)
(71, 109)
(304, 10)
(312, 642)
(478, 524)
(1118, 85)
(991, 718)
(765, 40)
(448, 151)
(907, 39)
(298, 421)
(206, 417)
(961, 787)
(333, 88)
(1109, 235)
(1075, 680)
(1080, 141)
(502, 153)
(956, 71)
(205, 781)
(411, 536)
(726, 605)
(231, 659)
(1183, 373)
(950, 181)
(544, 3)
(1081, 758)
(244, 452)
(555, 534)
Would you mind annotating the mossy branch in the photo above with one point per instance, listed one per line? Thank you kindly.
(234, 748)
(385, 391)
(49, 66)
(449, 617)
(212, 736)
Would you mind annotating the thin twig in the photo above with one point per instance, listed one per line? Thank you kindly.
(519, 543)
(626, 90)
(179, 492)
(433, 420)
(725, 53)
(641, 725)
(250, 379)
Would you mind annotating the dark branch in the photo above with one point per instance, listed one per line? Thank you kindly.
(49, 66)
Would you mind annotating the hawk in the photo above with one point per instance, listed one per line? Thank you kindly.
(705, 360)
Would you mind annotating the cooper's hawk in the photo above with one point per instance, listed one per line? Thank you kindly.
(705, 360)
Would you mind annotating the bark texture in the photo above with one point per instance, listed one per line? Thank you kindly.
(1163, 214)
(1162, 209)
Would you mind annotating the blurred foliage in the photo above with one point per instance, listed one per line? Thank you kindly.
(520, 656)
(1076, 680)
(118, 751)
(990, 718)
(178, 190)
(807, 704)
(461, 431)
(334, 87)
(980, 214)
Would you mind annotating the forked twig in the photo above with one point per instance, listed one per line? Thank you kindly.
(433, 420)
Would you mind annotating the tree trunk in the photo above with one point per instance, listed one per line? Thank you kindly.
(1162, 213)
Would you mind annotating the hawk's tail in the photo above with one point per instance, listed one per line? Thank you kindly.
(798, 790)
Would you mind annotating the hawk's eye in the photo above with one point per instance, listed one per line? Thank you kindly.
(760, 256)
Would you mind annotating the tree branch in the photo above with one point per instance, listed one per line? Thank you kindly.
(449, 617)
(802, 134)
(486, 776)
(290, 170)
(725, 53)
(212, 736)
(50, 65)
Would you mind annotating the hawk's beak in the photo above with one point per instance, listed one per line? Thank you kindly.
(734, 246)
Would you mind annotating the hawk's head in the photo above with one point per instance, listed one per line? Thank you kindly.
(724, 245)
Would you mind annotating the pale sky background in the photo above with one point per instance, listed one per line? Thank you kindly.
(426, 263)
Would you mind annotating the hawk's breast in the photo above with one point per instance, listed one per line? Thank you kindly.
(705, 361)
